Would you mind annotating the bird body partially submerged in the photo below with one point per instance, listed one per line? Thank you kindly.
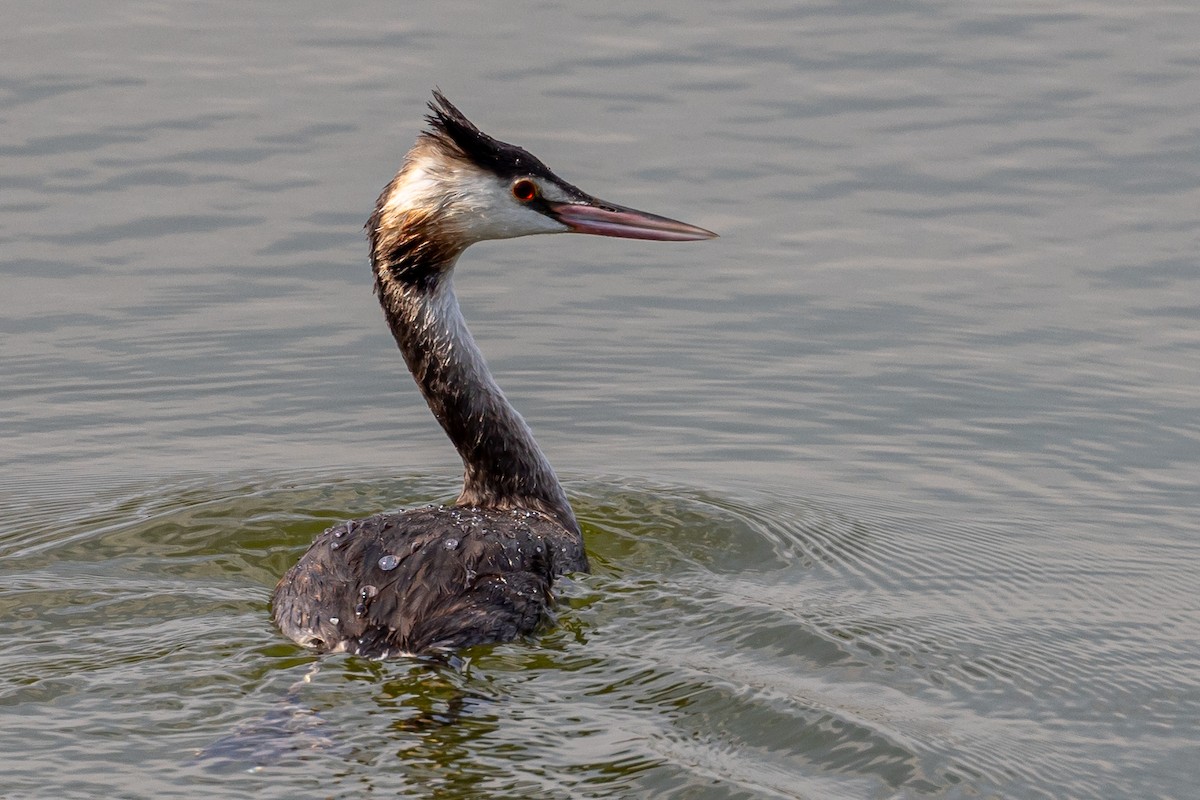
(435, 578)
(440, 578)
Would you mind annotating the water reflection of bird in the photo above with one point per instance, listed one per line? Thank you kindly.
(439, 578)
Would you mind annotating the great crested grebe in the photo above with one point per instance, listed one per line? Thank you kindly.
(441, 578)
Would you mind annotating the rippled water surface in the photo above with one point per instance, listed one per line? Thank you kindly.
(889, 492)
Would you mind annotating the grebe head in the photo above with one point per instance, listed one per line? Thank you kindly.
(459, 186)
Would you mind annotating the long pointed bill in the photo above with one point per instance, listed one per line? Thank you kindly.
(604, 219)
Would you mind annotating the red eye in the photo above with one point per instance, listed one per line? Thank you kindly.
(524, 190)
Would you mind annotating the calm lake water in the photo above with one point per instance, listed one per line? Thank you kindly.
(889, 492)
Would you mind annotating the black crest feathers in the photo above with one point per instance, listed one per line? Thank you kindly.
(450, 126)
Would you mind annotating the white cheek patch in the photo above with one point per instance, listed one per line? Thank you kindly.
(483, 207)
(468, 204)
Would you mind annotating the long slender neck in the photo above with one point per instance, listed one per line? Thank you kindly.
(503, 465)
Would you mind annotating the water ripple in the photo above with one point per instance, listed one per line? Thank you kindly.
(732, 641)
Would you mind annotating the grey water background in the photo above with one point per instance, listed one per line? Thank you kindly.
(890, 492)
